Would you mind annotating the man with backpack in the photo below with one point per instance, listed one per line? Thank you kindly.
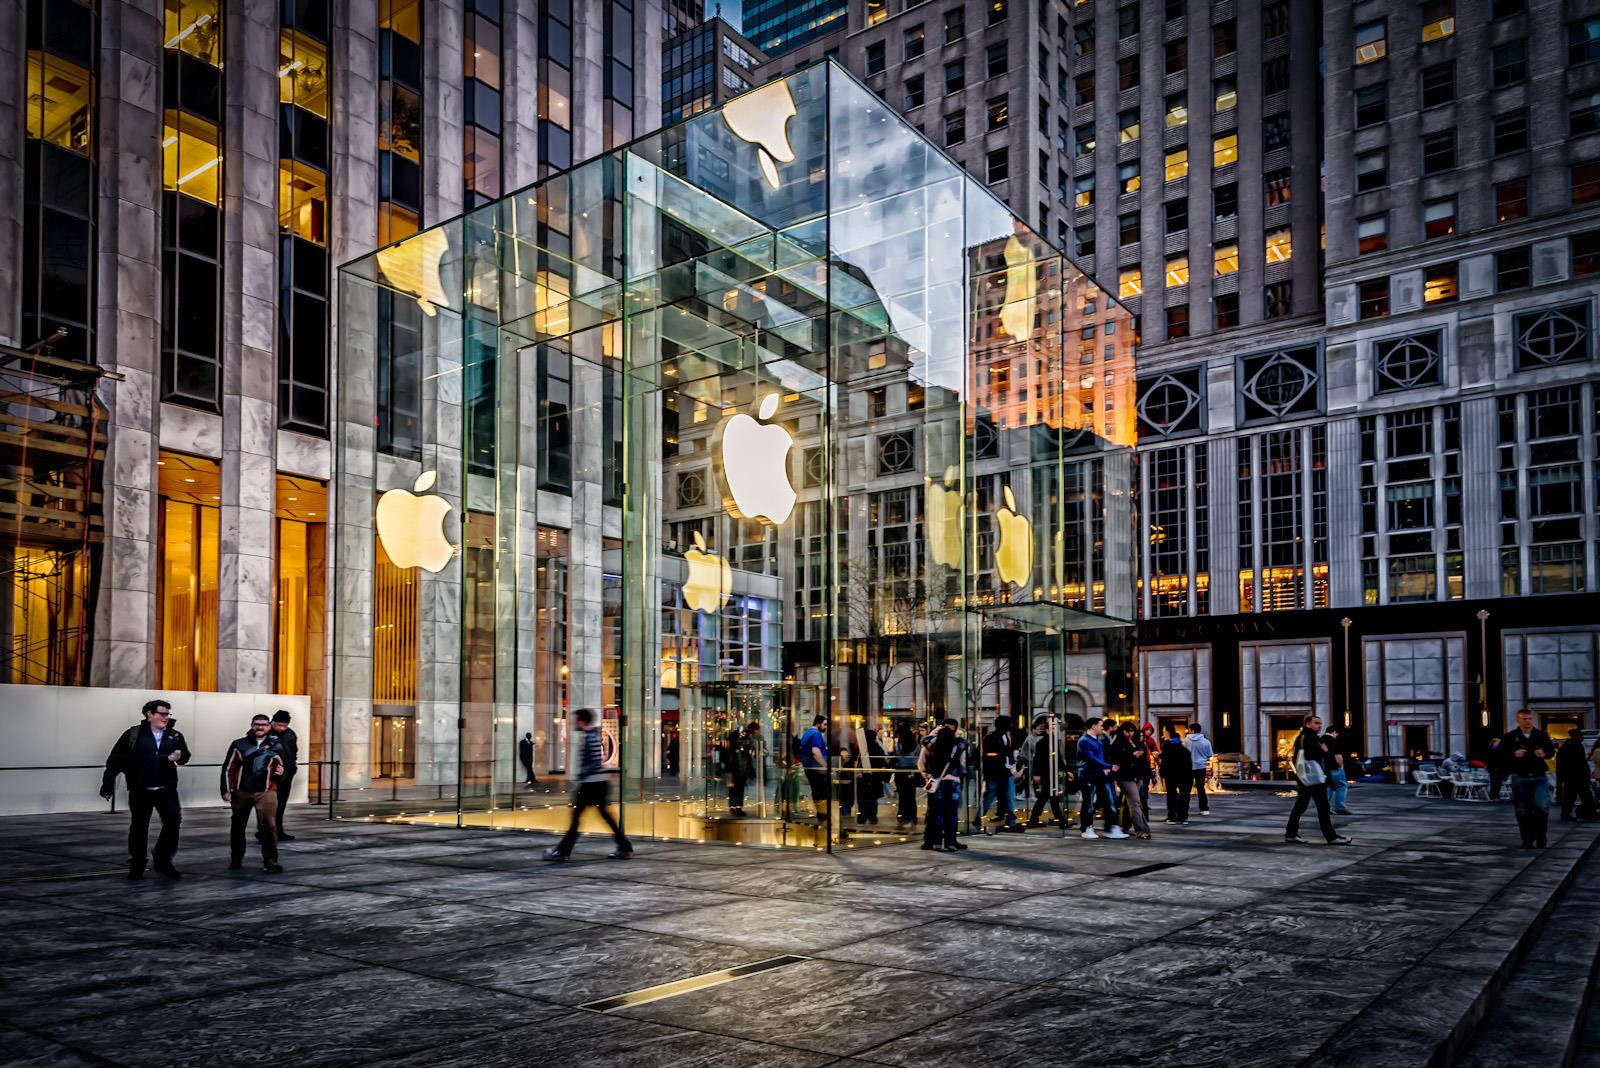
(251, 772)
(148, 754)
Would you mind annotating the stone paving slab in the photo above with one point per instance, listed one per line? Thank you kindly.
(426, 945)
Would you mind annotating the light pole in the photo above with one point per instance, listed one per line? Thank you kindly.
(1483, 665)
(1345, 623)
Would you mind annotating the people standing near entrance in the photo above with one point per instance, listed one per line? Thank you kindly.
(739, 764)
(1147, 738)
(1311, 784)
(1132, 763)
(594, 786)
(1000, 775)
(814, 762)
(1574, 787)
(148, 755)
(1045, 773)
(1095, 771)
(944, 762)
(906, 779)
(1524, 750)
(1176, 771)
(251, 771)
(289, 749)
(525, 757)
(1199, 747)
(1338, 777)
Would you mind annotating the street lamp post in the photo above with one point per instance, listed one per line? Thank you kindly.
(1345, 623)
(1483, 665)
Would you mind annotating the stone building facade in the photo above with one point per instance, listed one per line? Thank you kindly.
(185, 177)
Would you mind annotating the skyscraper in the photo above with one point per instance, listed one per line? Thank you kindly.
(776, 26)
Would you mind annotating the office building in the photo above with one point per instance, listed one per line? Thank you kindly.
(702, 66)
(777, 26)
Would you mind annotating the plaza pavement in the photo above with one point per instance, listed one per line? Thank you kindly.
(1214, 944)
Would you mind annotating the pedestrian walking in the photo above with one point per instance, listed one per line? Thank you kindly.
(1176, 771)
(814, 762)
(906, 778)
(525, 757)
(1525, 749)
(944, 763)
(739, 761)
(1338, 778)
(1095, 771)
(1147, 738)
(148, 755)
(1045, 771)
(251, 771)
(1574, 786)
(869, 785)
(1311, 784)
(1200, 751)
(846, 786)
(289, 750)
(594, 786)
(1132, 762)
(1495, 760)
(1000, 773)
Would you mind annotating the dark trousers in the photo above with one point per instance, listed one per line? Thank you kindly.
(1178, 798)
(283, 798)
(736, 788)
(1576, 793)
(944, 815)
(1198, 783)
(905, 788)
(1097, 793)
(1530, 799)
(1306, 795)
(1054, 800)
(821, 789)
(592, 795)
(527, 767)
(141, 803)
(264, 803)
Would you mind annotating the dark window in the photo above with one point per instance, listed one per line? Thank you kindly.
(1504, 9)
(302, 334)
(1171, 403)
(1177, 322)
(1438, 84)
(1224, 39)
(1128, 229)
(997, 166)
(1373, 298)
(1513, 269)
(1583, 41)
(1127, 21)
(1585, 182)
(554, 429)
(1372, 105)
(1083, 139)
(1511, 200)
(1084, 236)
(1177, 216)
(1225, 202)
(1407, 362)
(1439, 151)
(914, 42)
(1586, 254)
(915, 96)
(1275, 132)
(955, 128)
(955, 76)
(1546, 338)
(1174, 10)
(996, 60)
(1278, 300)
(399, 413)
(1175, 57)
(1083, 89)
(955, 25)
(1227, 310)
(1128, 73)
(1583, 113)
(1278, 187)
(1273, 385)
(1508, 64)
(1274, 19)
(1510, 132)
(1372, 170)
(1372, 234)
(875, 57)
(1275, 76)
(1083, 37)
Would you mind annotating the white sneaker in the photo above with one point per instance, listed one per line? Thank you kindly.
(1090, 833)
(1118, 832)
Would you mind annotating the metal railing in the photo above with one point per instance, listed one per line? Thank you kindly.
(322, 788)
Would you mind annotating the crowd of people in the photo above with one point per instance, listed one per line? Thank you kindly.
(257, 774)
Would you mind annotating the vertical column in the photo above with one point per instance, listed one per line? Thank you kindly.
(249, 382)
(589, 80)
(439, 596)
(588, 535)
(1344, 512)
(1222, 482)
(1119, 529)
(12, 91)
(519, 108)
(128, 294)
(443, 75)
(1480, 496)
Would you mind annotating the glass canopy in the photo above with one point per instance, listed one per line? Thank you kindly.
(775, 414)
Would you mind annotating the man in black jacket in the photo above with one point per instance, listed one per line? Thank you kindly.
(525, 755)
(1047, 777)
(289, 749)
(1573, 783)
(251, 770)
(1523, 752)
(149, 755)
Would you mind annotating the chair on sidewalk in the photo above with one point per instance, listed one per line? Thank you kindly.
(1427, 781)
(1470, 785)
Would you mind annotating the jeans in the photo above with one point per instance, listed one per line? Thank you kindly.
(1135, 806)
(1338, 790)
(1198, 782)
(1097, 793)
(264, 803)
(592, 795)
(1178, 799)
(1530, 798)
(1004, 792)
(140, 804)
(905, 788)
(944, 814)
(1144, 797)
(1303, 796)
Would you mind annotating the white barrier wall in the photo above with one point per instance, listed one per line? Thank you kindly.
(63, 726)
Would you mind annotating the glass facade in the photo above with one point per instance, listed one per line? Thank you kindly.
(795, 420)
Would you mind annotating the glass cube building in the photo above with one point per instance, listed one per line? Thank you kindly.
(773, 414)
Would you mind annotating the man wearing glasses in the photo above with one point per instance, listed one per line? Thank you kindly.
(148, 755)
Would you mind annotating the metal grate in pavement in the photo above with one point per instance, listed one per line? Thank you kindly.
(646, 995)
(1146, 870)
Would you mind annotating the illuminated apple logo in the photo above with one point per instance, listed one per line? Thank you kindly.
(1013, 557)
(944, 520)
(411, 527)
(710, 578)
(761, 117)
(1016, 314)
(755, 461)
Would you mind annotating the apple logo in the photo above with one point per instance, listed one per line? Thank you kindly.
(710, 578)
(944, 520)
(755, 462)
(1013, 557)
(1016, 314)
(411, 527)
(761, 117)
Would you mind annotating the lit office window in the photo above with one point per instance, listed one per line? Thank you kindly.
(1129, 282)
(1227, 259)
(186, 578)
(1177, 164)
(1280, 246)
(1225, 150)
(1177, 271)
(1371, 42)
